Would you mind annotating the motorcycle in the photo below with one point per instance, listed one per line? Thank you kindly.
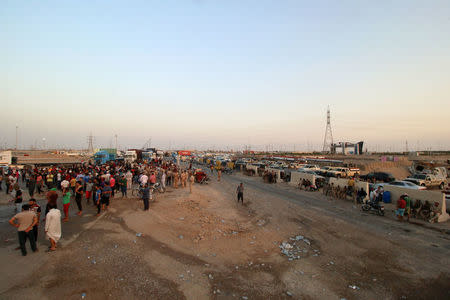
(372, 206)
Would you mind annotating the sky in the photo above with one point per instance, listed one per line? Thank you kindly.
(225, 74)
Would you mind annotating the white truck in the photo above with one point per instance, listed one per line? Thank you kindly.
(342, 172)
(428, 180)
(130, 156)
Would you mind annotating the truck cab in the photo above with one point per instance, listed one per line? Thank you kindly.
(130, 156)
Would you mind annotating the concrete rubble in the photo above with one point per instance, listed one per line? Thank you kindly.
(297, 247)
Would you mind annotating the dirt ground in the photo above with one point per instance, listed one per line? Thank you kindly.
(205, 246)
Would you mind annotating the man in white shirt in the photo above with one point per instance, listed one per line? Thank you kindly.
(143, 180)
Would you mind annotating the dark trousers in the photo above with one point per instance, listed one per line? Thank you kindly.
(124, 190)
(35, 232)
(7, 188)
(78, 200)
(240, 196)
(99, 207)
(145, 203)
(31, 188)
(23, 236)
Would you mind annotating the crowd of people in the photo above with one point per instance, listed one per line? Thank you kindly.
(82, 184)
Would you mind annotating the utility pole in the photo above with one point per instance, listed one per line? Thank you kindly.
(17, 133)
(116, 141)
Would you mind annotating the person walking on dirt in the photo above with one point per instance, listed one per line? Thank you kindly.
(53, 227)
(24, 222)
(240, 193)
(66, 203)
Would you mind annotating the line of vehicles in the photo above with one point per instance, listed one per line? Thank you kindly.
(105, 155)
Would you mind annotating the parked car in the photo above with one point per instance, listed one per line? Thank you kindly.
(323, 171)
(428, 180)
(309, 167)
(406, 185)
(378, 176)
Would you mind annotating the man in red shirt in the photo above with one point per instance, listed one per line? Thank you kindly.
(401, 205)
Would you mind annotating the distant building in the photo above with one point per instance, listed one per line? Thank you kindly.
(5, 158)
(347, 148)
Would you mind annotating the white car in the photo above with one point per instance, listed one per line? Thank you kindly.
(406, 185)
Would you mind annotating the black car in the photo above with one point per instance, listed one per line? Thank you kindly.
(378, 176)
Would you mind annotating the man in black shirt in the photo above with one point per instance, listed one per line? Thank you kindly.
(145, 195)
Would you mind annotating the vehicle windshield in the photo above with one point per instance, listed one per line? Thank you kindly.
(419, 176)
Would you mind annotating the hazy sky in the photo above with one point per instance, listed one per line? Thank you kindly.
(225, 73)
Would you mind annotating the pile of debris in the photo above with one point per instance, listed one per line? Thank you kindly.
(298, 247)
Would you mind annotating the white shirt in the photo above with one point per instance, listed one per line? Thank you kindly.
(144, 179)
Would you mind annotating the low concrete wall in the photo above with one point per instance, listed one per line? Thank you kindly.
(277, 172)
(343, 182)
(252, 167)
(296, 177)
(429, 196)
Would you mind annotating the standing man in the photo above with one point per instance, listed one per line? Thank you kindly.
(58, 180)
(240, 193)
(89, 188)
(112, 183)
(34, 207)
(123, 186)
(191, 182)
(129, 177)
(152, 179)
(53, 226)
(163, 180)
(31, 185)
(145, 195)
(219, 173)
(106, 195)
(18, 200)
(78, 197)
(24, 222)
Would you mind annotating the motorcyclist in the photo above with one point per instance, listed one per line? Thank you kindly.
(362, 194)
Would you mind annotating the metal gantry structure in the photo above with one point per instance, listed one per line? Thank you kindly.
(328, 138)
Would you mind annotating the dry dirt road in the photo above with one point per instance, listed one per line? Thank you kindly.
(205, 246)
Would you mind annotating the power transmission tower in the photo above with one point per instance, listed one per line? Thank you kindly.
(147, 144)
(115, 136)
(328, 139)
(90, 143)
